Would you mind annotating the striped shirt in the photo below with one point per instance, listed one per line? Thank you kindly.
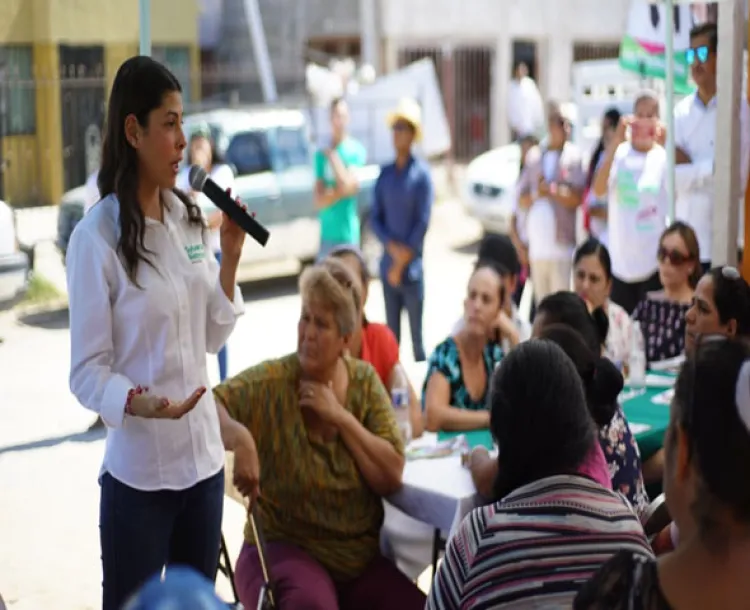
(535, 548)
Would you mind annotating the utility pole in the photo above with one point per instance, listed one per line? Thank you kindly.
(144, 33)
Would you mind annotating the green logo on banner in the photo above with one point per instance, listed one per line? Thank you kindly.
(634, 58)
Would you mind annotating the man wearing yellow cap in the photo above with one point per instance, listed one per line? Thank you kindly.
(401, 207)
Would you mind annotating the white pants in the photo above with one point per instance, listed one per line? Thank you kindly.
(550, 276)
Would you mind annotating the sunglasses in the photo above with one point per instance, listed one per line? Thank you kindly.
(699, 54)
(675, 257)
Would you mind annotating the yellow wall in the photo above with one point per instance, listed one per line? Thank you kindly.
(21, 157)
(35, 173)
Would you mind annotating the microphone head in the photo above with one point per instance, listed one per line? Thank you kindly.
(197, 177)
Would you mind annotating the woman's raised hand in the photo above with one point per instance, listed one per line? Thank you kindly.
(157, 407)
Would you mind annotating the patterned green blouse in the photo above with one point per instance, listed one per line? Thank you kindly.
(312, 493)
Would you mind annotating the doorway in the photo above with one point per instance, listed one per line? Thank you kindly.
(82, 96)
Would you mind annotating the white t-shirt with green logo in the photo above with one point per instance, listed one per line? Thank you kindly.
(637, 211)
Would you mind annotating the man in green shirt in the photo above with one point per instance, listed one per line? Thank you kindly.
(336, 183)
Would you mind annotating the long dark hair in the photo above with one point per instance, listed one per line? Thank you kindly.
(139, 87)
(602, 382)
(612, 117)
(538, 416)
(705, 407)
(569, 309)
(732, 298)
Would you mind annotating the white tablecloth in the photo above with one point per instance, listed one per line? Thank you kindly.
(436, 491)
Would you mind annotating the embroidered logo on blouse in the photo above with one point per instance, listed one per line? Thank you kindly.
(196, 252)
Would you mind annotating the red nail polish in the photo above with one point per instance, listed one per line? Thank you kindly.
(164, 402)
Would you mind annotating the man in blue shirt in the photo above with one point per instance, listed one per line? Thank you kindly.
(399, 217)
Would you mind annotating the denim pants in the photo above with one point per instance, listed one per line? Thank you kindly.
(142, 531)
(409, 296)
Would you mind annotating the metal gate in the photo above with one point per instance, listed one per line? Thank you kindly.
(464, 76)
(82, 93)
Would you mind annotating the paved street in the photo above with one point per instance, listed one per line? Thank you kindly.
(49, 554)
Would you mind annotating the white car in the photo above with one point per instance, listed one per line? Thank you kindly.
(14, 263)
(490, 189)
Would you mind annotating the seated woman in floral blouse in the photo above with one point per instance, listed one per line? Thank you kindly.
(661, 314)
(459, 370)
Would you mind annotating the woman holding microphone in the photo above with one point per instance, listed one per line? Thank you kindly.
(147, 301)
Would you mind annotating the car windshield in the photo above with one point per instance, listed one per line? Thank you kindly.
(292, 147)
(248, 153)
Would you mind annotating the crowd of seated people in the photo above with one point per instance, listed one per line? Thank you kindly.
(551, 527)
(549, 396)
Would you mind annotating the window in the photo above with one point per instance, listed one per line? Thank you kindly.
(292, 148)
(17, 91)
(248, 153)
(177, 59)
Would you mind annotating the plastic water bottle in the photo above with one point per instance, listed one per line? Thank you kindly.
(637, 359)
(400, 401)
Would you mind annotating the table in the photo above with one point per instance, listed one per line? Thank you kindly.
(641, 410)
(436, 491)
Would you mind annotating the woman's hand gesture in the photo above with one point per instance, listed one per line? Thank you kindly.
(157, 407)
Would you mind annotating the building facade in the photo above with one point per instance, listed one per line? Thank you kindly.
(57, 62)
(477, 42)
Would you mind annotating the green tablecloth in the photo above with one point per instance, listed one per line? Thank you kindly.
(638, 410)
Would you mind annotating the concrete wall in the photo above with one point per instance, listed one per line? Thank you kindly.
(35, 170)
(555, 25)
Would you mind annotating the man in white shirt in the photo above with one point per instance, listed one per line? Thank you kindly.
(695, 135)
(525, 106)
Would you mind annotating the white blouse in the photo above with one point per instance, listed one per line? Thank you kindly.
(155, 336)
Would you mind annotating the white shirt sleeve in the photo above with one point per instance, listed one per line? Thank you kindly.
(89, 266)
(222, 313)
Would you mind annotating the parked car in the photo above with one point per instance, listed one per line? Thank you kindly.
(271, 154)
(69, 213)
(14, 261)
(490, 188)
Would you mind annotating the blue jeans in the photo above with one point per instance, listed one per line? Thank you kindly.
(222, 355)
(142, 531)
(409, 296)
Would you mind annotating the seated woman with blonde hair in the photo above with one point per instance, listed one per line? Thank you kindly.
(329, 451)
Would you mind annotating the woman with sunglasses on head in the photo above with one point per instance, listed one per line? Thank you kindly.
(147, 301)
(633, 177)
(721, 306)
(705, 484)
(661, 315)
(592, 281)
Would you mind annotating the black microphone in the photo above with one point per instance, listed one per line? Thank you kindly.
(200, 181)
